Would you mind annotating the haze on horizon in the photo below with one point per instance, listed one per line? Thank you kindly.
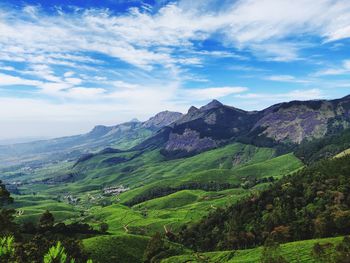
(68, 65)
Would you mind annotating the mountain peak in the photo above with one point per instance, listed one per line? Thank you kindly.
(192, 109)
(99, 130)
(211, 105)
(134, 120)
(161, 119)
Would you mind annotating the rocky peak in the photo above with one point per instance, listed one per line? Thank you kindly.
(99, 130)
(134, 120)
(162, 119)
(211, 105)
(192, 110)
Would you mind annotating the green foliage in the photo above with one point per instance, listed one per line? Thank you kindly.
(326, 147)
(159, 248)
(7, 225)
(329, 253)
(56, 254)
(271, 253)
(212, 171)
(167, 190)
(5, 197)
(154, 247)
(298, 252)
(53, 248)
(47, 220)
(116, 248)
(104, 227)
(7, 250)
(314, 202)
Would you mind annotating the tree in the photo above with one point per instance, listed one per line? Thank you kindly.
(104, 227)
(323, 253)
(5, 197)
(7, 225)
(342, 251)
(46, 220)
(155, 246)
(272, 253)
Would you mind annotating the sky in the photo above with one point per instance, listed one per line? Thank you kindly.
(68, 65)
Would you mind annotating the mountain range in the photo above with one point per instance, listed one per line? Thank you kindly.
(216, 124)
(125, 135)
(200, 129)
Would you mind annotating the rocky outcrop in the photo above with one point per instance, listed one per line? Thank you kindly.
(297, 121)
(187, 143)
(162, 119)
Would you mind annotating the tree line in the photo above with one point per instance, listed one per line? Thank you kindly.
(46, 241)
(314, 202)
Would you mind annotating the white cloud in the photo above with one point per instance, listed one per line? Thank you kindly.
(340, 70)
(267, 99)
(68, 74)
(144, 39)
(8, 80)
(212, 93)
(85, 93)
(7, 68)
(73, 81)
(286, 78)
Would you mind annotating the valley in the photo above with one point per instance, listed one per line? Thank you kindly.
(181, 176)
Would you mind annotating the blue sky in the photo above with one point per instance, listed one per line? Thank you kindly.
(66, 65)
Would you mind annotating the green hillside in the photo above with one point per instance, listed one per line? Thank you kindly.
(293, 252)
(197, 184)
(162, 195)
(313, 202)
(121, 248)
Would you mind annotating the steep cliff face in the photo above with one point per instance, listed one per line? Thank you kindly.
(297, 121)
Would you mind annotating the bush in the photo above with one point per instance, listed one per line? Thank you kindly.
(104, 227)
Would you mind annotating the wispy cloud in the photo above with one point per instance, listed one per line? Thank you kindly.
(212, 93)
(135, 37)
(8, 80)
(344, 68)
(267, 99)
(286, 78)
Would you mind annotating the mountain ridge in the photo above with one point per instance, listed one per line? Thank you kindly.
(215, 124)
(124, 135)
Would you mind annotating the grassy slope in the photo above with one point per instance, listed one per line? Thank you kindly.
(151, 168)
(171, 211)
(299, 251)
(233, 163)
(190, 205)
(32, 207)
(111, 249)
(343, 153)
